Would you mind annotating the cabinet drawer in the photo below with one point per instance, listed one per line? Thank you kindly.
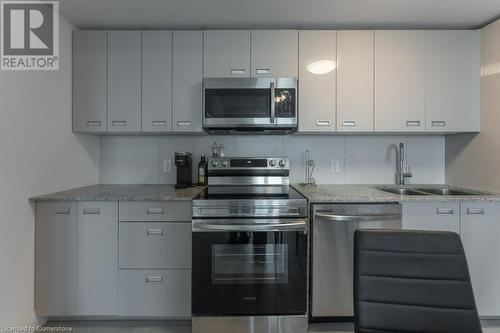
(155, 245)
(434, 216)
(155, 211)
(155, 293)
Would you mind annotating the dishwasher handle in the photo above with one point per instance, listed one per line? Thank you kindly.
(330, 216)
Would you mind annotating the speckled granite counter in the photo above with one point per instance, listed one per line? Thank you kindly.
(132, 192)
(368, 193)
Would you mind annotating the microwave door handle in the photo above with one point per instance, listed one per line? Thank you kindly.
(273, 99)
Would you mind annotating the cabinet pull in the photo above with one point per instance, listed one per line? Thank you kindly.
(438, 123)
(151, 211)
(262, 71)
(184, 123)
(62, 211)
(154, 279)
(89, 211)
(444, 211)
(155, 232)
(323, 122)
(413, 123)
(94, 123)
(237, 71)
(349, 123)
(159, 123)
(475, 211)
(119, 123)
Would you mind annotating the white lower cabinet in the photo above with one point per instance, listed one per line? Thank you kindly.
(438, 216)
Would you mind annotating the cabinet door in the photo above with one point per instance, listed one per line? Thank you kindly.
(453, 79)
(317, 90)
(90, 53)
(355, 81)
(480, 231)
(156, 81)
(274, 53)
(226, 53)
(124, 81)
(399, 81)
(97, 258)
(437, 216)
(187, 81)
(55, 259)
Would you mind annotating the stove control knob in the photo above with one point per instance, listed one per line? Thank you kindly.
(282, 163)
(215, 163)
(272, 163)
(225, 163)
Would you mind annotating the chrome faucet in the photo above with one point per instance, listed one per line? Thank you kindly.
(402, 175)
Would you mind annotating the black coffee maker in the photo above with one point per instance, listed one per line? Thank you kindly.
(184, 162)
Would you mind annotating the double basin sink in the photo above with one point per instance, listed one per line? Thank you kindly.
(430, 191)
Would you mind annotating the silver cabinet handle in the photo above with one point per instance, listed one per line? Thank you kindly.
(119, 123)
(475, 211)
(184, 123)
(445, 211)
(413, 123)
(62, 210)
(325, 215)
(438, 123)
(91, 211)
(273, 102)
(262, 71)
(154, 279)
(237, 71)
(349, 123)
(94, 123)
(151, 211)
(159, 123)
(155, 232)
(323, 122)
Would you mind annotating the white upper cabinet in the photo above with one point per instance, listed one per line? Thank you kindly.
(274, 53)
(355, 81)
(317, 81)
(187, 81)
(400, 81)
(226, 53)
(453, 80)
(124, 81)
(156, 81)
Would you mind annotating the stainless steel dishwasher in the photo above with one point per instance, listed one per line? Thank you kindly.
(333, 251)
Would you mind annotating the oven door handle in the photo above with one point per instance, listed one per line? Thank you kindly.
(237, 227)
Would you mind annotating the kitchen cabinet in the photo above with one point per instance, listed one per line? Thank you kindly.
(453, 81)
(480, 231)
(156, 81)
(317, 91)
(437, 216)
(90, 53)
(187, 81)
(355, 81)
(274, 53)
(124, 81)
(226, 53)
(97, 258)
(400, 69)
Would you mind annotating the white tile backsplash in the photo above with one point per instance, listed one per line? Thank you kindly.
(363, 159)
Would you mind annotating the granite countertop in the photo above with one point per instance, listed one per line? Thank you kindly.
(331, 193)
(123, 192)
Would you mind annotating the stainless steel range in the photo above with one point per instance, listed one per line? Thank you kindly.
(249, 249)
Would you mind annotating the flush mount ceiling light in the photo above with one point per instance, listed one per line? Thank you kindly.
(321, 66)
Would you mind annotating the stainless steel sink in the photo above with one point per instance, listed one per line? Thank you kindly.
(450, 191)
(401, 191)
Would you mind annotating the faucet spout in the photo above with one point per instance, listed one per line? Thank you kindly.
(402, 175)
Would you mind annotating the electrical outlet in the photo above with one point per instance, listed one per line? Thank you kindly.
(167, 165)
(334, 166)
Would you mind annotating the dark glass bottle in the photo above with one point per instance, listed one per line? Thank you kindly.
(202, 171)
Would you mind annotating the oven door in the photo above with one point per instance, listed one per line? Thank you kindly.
(246, 268)
(249, 103)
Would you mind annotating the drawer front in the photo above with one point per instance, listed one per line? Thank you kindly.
(155, 293)
(155, 211)
(156, 245)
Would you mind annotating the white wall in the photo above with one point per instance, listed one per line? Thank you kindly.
(39, 154)
(363, 159)
(474, 159)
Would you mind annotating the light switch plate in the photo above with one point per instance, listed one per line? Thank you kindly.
(334, 166)
(167, 165)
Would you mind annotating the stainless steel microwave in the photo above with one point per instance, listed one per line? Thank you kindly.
(250, 105)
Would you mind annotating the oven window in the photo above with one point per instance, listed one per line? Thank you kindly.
(237, 103)
(249, 263)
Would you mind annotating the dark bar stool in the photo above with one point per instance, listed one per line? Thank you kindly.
(412, 281)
